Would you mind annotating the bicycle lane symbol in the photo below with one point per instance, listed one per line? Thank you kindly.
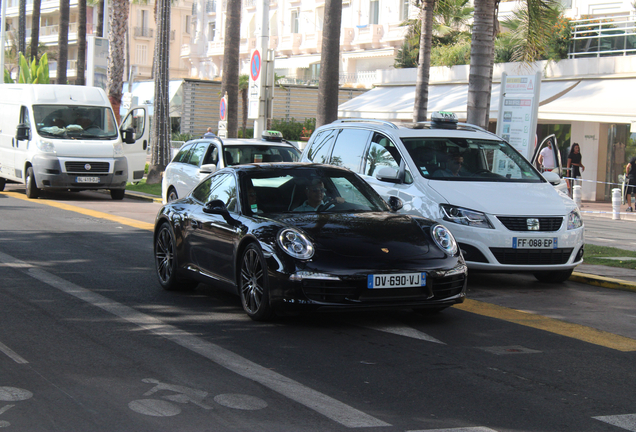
(165, 407)
(11, 394)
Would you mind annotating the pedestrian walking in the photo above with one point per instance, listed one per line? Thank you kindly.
(209, 133)
(575, 167)
(630, 175)
(546, 158)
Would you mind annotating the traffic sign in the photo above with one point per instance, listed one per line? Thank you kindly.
(223, 108)
(255, 65)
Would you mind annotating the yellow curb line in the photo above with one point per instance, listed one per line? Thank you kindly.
(604, 282)
(119, 219)
(528, 319)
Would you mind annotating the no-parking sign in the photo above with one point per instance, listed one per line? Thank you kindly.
(223, 108)
(254, 91)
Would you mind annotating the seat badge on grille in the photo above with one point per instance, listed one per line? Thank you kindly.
(533, 224)
(88, 167)
(385, 250)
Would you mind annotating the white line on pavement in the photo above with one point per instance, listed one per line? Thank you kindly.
(625, 421)
(12, 354)
(321, 403)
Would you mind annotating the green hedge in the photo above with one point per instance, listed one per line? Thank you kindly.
(291, 129)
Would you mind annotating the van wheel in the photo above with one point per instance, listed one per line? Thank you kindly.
(117, 194)
(555, 276)
(31, 188)
(3, 182)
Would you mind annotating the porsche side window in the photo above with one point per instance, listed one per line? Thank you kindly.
(202, 191)
(349, 149)
(321, 146)
(225, 190)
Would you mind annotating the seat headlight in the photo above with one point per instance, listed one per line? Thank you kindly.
(295, 243)
(45, 146)
(464, 216)
(574, 220)
(444, 239)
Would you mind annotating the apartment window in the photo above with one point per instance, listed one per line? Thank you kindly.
(374, 11)
(405, 10)
(320, 18)
(188, 24)
(294, 21)
(142, 54)
(211, 30)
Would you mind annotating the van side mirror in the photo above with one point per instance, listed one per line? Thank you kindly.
(388, 175)
(23, 132)
(128, 136)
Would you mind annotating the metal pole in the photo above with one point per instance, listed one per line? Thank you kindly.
(3, 35)
(263, 44)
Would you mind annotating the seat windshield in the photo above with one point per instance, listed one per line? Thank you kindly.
(75, 122)
(461, 159)
(310, 190)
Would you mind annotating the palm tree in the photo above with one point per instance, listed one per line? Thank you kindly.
(231, 64)
(328, 86)
(100, 18)
(35, 29)
(22, 26)
(160, 137)
(62, 43)
(244, 84)
(118, 23)
(420, 104)
(81, 43)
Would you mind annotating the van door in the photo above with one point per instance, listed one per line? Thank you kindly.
(9, 120)
(136, 153)
(21, 149)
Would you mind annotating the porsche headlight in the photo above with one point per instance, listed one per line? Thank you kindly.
(45, 146)
(463, 216)
(574, 220)
(295, 243)
(444, 239)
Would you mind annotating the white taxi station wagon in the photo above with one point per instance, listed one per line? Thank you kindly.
(505, 215)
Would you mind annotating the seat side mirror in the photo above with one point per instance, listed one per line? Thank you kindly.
(388, 175)
(207, 168)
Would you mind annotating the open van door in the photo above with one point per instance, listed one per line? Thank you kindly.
(135, 133)
(558, 169)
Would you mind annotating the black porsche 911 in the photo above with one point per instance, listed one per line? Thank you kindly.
(305, 236)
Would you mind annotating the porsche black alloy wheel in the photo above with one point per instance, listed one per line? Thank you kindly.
(253, 284)
(166, 261)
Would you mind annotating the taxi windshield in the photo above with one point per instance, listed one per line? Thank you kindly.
(244, 154)
(463, 159)
(75, 122)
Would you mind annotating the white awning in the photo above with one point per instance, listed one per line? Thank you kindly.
(296, 62)
(385, 52)
(593, 100)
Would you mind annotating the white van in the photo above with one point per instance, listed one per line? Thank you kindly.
(66, 137)
(505, 214)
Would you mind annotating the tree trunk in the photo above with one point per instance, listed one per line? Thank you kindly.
(118, 23)
(81, 43)
(22, 27)
(35, 29)
(424, 65)
(231, 59)
(62, 44)
(328, 85)
(481, 63)
(160, 137)
(245, 101)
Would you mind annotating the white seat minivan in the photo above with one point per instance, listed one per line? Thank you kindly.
(504, 214)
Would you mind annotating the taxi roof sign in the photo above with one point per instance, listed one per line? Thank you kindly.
(272, 135)
(444, 119)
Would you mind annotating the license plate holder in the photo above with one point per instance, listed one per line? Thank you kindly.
(396, 280)
(535, 243)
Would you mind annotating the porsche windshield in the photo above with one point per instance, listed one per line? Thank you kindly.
(75, 122)
(461, 159)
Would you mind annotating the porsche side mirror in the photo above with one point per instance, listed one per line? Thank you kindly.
(395, 203)
(216, 207)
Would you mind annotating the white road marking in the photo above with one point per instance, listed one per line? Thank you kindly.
(13, 394)
(321, 403)
(404, 331)
(12, 354)
(240, 401)
(625, 421)
(467, 429)
(154, 407)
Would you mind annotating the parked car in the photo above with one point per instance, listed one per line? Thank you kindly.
(504, 214)
(249, 228)
(198, 158)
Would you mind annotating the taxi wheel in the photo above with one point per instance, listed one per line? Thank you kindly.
(166, 262)
(31, 188)
(554, 276)
(172, 195)
(254, 284)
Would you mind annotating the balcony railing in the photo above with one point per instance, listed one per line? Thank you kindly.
(142, 32)
(366, 78)
(608, 35)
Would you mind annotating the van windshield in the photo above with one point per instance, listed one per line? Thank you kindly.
(75, 122)
(462, 159)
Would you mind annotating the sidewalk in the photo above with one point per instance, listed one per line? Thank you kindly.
(597, 275)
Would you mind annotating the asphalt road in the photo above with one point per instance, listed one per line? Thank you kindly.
(91, 342)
